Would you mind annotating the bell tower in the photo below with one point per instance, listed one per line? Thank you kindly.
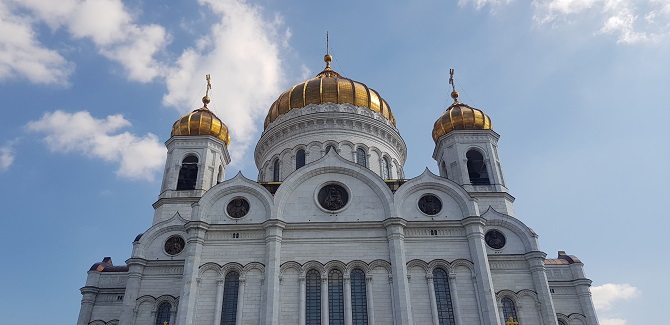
(197, 154)
(466, 151)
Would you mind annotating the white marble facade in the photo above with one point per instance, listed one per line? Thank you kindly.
(396, 262)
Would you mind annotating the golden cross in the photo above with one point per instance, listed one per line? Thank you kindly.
(209, 84)
(511, 321)
(451, 79)
(165, 322)
(327, 49)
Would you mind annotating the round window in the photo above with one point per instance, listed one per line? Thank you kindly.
(237, 208)
(174, 245)
(495, 239)
(333, 197)
(430, 204)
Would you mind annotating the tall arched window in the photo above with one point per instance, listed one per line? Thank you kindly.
(313, 298)
(231, 287)
(444, 170)
(445, 310)
(361, 157)
(275, 171)
(188, 173)
(163, 313)
(335, 298)
(219, 176)
(359, 300)
(509, 310)
(477, 168)
(386, 168)
(299, 158)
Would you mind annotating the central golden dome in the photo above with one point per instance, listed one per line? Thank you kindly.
(328, 87)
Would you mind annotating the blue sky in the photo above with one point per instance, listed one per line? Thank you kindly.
(577, 89)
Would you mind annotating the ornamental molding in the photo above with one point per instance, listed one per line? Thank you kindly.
(234, 235)
(341, 117)
(509, 265)
(435, 232)
(164, 270)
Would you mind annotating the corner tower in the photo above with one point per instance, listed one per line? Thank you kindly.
(197, 154)
(466, 151)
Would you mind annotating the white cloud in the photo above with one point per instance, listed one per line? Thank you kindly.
(479, 4)
(605, 295)
(138, 157)
(109, 25)
(630, 21)
(612, 321)
(21, 54)
(242, 54)
(7, 156)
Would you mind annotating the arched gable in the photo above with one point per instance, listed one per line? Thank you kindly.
(526, 236)
(212, 205)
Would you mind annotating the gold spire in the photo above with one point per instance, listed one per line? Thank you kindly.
(454, 93)
(327, 58)
(206, 100)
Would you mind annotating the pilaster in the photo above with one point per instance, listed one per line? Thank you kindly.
(537, 270)
(395, 233)
(273, 238)
(133, 284)
(196, 231)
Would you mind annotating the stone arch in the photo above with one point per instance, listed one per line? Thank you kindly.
(380, 263)
(230, 267)
(418, 263)
(290, 265)
(312, 265)
(237, 184)
(439, 264)
(173, 301)
(251, 266)
(145, 298)
(209, 266)
(577, 316)
(337, 265)
(562, 317)
(357, 264)
(505, 293)
(465, 263)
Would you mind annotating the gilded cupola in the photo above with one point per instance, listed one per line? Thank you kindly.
(202, 121)
(460, 116)
(328, 87)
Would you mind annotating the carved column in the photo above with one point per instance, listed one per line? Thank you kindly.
(347, 300)
(371, 304)
(474, 228)
(240, 300)
(219, 302)
(87, 301)
(538, 273)
(454, 298)
(303, 294)
(433, 299)
(395, 234)
(135, 271)
(324, 299)
(273, 238)
(186, 311)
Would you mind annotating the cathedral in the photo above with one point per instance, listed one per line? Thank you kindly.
(332, 231)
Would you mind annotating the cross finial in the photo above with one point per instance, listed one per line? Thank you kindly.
(165, 322)
(206, 100)
(327, 58)
(454, 93)
(327, 44)
(511, 321)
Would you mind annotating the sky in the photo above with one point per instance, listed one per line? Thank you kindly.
(577, 89)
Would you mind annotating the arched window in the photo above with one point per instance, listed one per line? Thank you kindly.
(335, 298)
(445, 174)
(299, 158)
(219, 176)
(361, 157)
(386, 168)
(445, 310)
(328, 148)
(477, 168)
(313, 298)
(163, 313)
(188, 174)
(509, 310)
(231, 287)
(359, 300)
(275, 171)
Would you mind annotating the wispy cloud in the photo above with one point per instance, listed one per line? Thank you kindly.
(604, 297)
(22, 55)
(138, 157)
(249, 75)
(479, 4)
(7, 156)
(107, 23)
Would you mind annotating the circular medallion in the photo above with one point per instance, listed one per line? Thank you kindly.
(495, 239)
(430, 204)
(237, 208)
(174, 245)
(333, 197)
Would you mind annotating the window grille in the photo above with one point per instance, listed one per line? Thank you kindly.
(445, 310)
(335, 298)
(313, 298)
(359, 301)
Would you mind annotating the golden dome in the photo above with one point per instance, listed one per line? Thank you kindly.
(328, 87)
(202, 121)
(460, 117)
